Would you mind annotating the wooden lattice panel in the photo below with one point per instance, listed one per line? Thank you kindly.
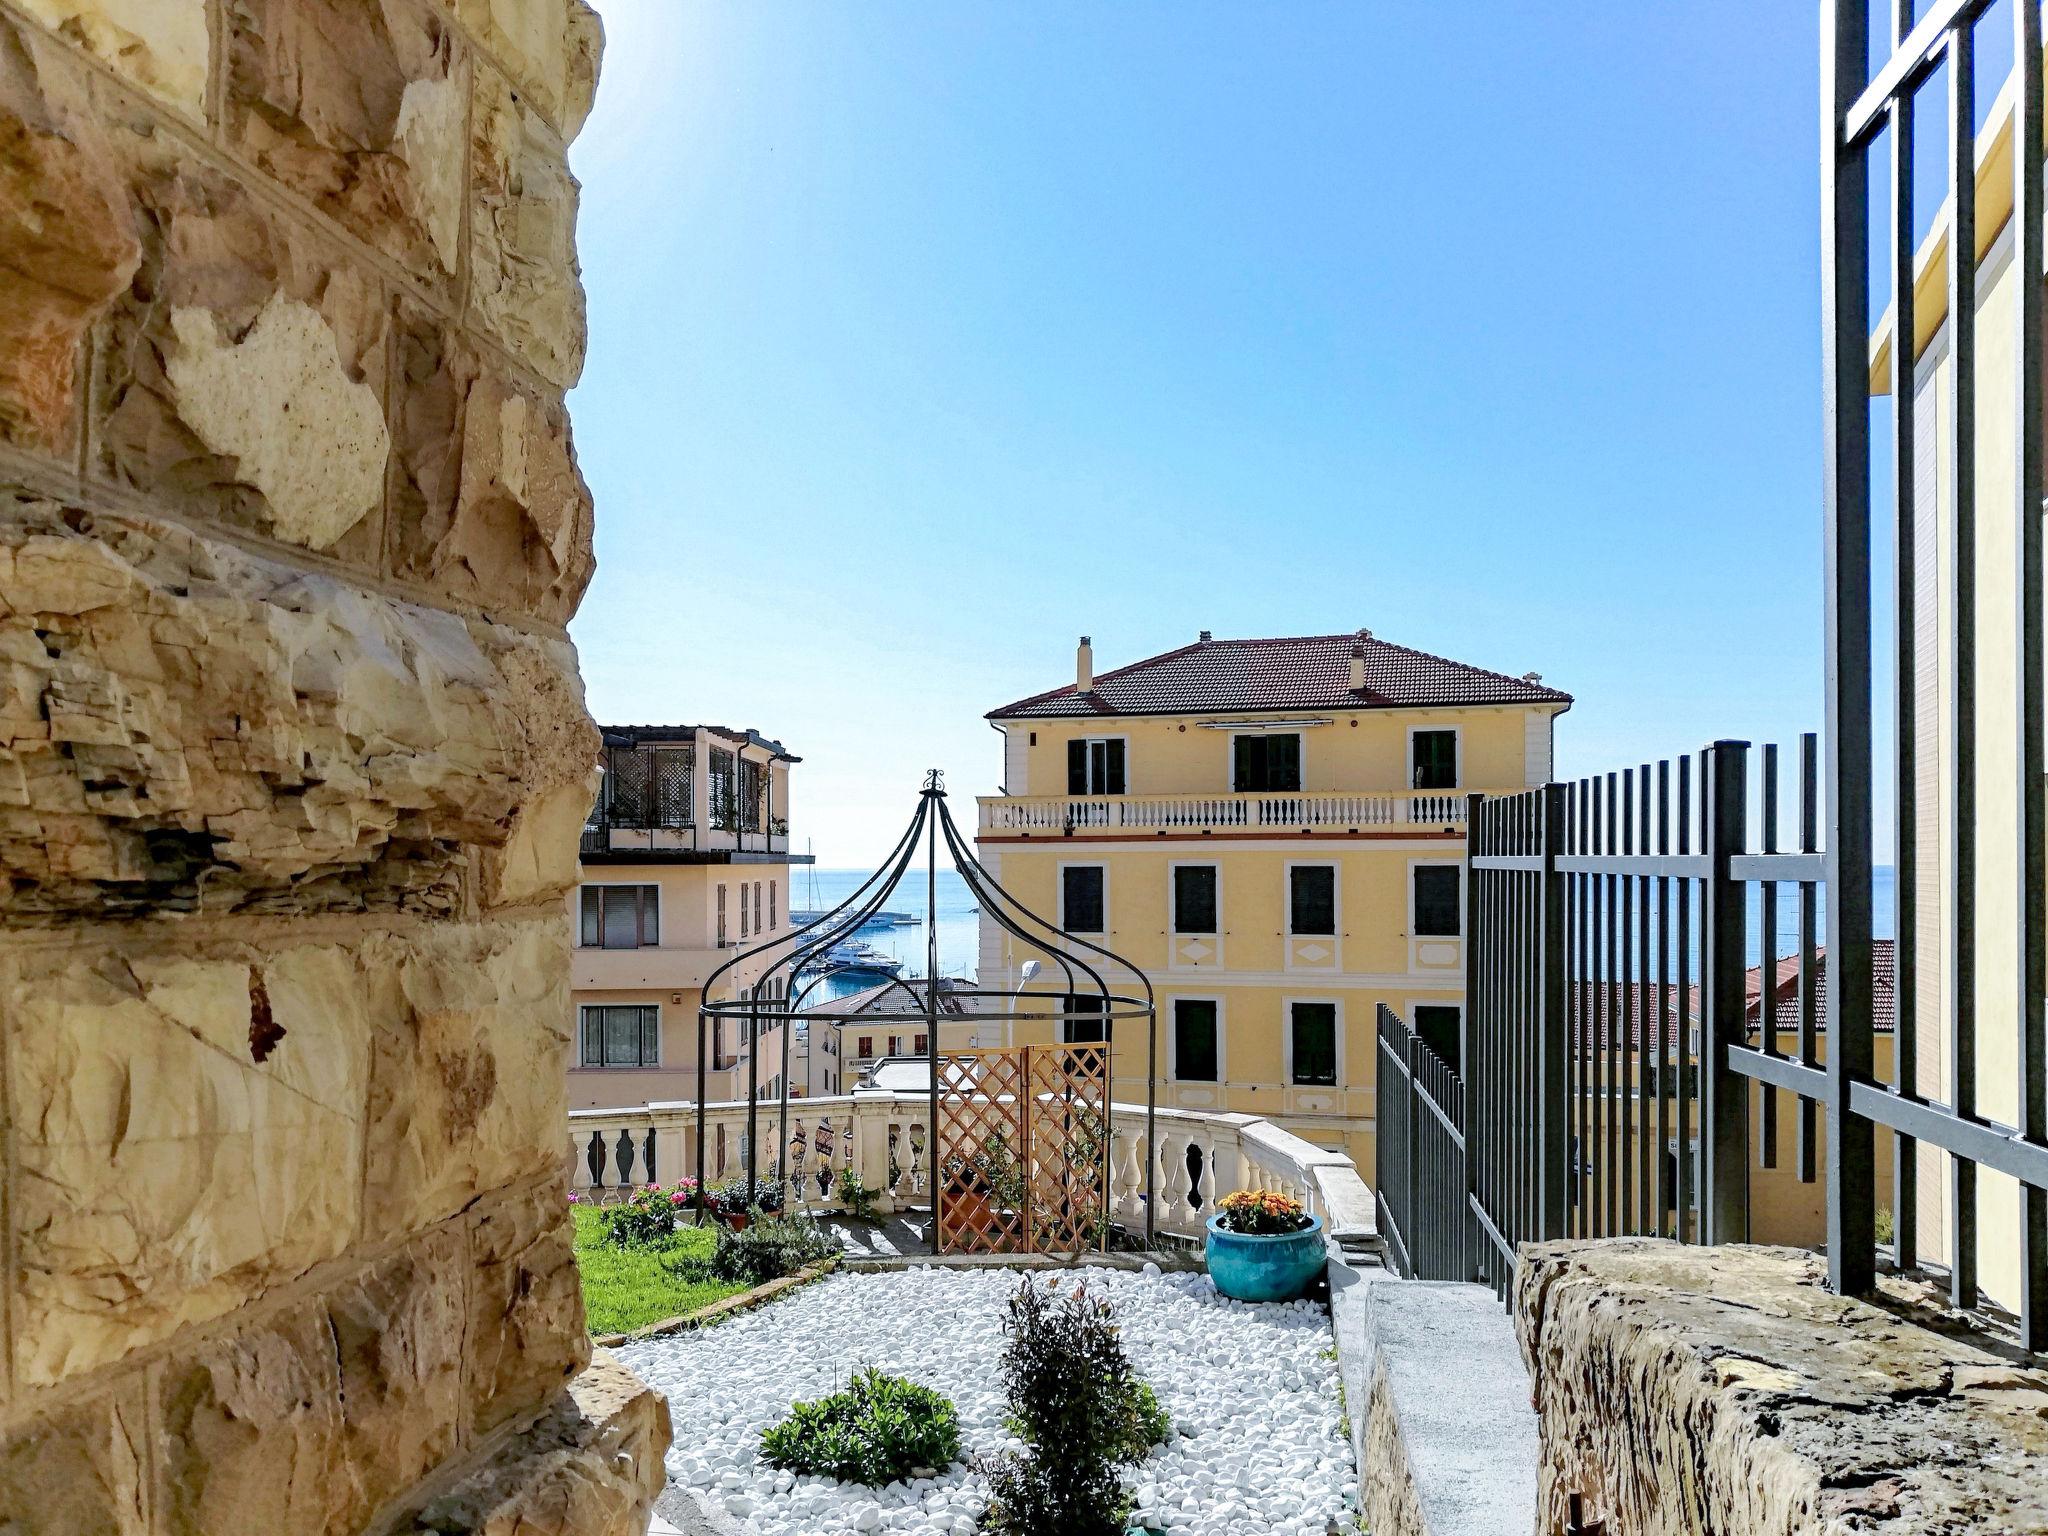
(1023, 1150)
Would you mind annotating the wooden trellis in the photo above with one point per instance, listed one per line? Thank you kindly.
(1024, 1150)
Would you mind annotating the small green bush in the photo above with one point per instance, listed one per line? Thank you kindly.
(767, 1249)
(880, 1429)
(855, 1195)
(649, 1215)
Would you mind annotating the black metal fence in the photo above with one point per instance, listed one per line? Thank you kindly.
(1421, 1155)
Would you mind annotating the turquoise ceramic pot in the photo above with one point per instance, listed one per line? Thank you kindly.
(1278, 1268)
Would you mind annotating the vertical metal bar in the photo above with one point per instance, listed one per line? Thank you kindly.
(1809, 894)
(1625, 997)
(1845, 285)
(1662, 1114)
(1724, 1106)
(1905, 683)
(753, 1086)
(931, 1000)
(1767, 963)
(1644, 1022)
(1961, 927)
(2033, 864)
(1616, 1021)
(1478, 822)
(1683, 1109)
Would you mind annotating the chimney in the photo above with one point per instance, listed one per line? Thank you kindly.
(1084, 666)
(1206, 637)
(1357, 665)
(1532, 677)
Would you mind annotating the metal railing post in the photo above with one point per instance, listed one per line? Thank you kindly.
(1553, 1173)
(1724, 1093)
(1470, 1068)
(1418, 1219)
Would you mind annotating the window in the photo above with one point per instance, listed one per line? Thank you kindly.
(1081, 903)
(1266, 763)
(1312, 899)
(773, 917)
(620, 916)
(1433, 759)
(1194, 1040)
(743, 910)
(616, 1036)
(1194, 898)
(1314, 1031)
(1087, 1031)
(1095, 766)
(757, 906)
(721, 917)
(1437, 1023)
(895, 1045)
(1437, 901)
(920, 1044)
(867, 1048)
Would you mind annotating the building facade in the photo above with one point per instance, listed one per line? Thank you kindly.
(685, 860)
(1272, 830)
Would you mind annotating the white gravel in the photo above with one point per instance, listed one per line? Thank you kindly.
(1256, 1445)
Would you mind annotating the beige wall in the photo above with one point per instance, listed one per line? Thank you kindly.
(292, 757)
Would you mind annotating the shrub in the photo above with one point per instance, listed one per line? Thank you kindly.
(650, 1215)
(855, 1195)
(1082, 1412)
(880, 1429)
(733, 1198)
(1261, 1213)
(767, 1249)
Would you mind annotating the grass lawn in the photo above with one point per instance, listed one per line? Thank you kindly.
(625, 1288)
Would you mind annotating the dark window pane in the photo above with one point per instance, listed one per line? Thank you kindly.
(650, 1037)
(1315, 1044)
(1194, 899)
(1436, 901)
(1194, 1040)
(1312, 900)
(1081, 908)
(1087, 1031)
(1077, 767)
(1113, 768)
(650, 909)
(621, 917)
(593, 1037)
(592, 932)
(1247, 764)
(1436, 760)
(622, 1037)
(1437, 1024)
(1283, 763)
(1267, 763)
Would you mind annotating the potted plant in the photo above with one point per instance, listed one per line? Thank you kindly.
(738, 1205)
(1264, 1247)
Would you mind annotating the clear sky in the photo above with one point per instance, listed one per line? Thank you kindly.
(927, 336)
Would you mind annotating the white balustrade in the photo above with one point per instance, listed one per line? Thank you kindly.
(881, 1135)
(1167, 813)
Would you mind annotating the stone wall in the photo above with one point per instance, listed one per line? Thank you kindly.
(1681, 1390)
(292, 756)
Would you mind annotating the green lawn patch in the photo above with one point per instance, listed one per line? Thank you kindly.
(626, 1288)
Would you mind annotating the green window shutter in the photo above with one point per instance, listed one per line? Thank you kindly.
(1194, 899)
(592, 933)
(1194, 1040)
(1312, 900)
(1437, 890)
(1077, 767)
(1283, 763)
(1114, 780)
(1246, 764)
(1315, 1044)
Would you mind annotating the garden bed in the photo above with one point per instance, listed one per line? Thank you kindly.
(626, 1288)
(1258, 1444)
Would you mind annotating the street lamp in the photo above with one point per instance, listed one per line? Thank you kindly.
(1026, 974)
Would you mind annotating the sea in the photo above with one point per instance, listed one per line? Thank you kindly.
(959, 922)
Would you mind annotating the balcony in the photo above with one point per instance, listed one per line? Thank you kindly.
(1274, 814)
(651, 840)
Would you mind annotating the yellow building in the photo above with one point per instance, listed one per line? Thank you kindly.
(1272, 830)
(685, 859)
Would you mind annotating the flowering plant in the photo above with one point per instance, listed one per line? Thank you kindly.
(1262, 1213)
(649, 1213)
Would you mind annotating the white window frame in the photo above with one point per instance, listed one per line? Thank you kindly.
(660, 1038)
(1336, 868)
(1173, 1039)
(1089, 741)
(1436, 938)
(1457, 758)
(660, 926)
(1172, 919)
(1108, 924)
(1287, 1003)
(1230, 757)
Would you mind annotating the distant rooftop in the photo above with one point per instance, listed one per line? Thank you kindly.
(1298, 672)
(653, 735)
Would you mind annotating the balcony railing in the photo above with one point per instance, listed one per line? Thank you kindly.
(647, 834)
(881, 1135)
(1219, 813)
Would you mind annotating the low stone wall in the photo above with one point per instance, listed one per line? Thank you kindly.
(1683, 1389)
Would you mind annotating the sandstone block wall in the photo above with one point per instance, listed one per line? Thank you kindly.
(292, 755)
(1683, 1389)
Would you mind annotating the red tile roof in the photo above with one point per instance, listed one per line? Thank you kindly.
(1299, 672)
(1599, 1002)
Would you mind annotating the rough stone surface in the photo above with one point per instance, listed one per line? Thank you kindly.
(293, 756)
(1682, 1389)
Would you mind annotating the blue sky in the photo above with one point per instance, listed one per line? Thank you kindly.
(927, 336)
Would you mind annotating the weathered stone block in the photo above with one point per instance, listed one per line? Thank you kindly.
(187, 1132)
(183, 724)
(466, 1082)
(160, 45)
(591, 1466)
(359, 105)
(1683, 1389)
(523, 276)
(241, 378)
(66, 246)
(526, 1327)
(77, 1472)
(488, 504)
(549, 47)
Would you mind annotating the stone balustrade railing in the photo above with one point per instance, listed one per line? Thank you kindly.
(880, 1135)
(1180, 813)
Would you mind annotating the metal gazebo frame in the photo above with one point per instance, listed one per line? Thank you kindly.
(794, 955)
